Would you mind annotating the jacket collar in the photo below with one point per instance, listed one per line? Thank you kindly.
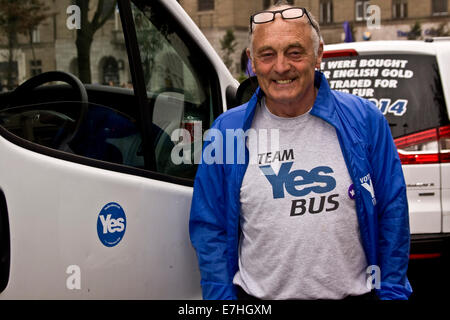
(323, 107)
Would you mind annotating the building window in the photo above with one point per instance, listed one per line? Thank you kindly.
(35, 67)
(110, 71)
(439, 7)
(399, 9)
(326, 11)
(361, 9)
(35, 36)
(205, 5)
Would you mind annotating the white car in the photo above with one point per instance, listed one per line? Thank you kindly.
(89, 207)
(409, 81)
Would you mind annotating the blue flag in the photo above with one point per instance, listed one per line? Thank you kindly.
(348, 32)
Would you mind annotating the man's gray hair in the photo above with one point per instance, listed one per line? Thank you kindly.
(315, 33)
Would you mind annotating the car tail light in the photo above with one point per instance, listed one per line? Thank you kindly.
(444, 144)
(418, 256)
(340, 53)
(425, 147)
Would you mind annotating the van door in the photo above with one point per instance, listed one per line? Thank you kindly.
(92, 216)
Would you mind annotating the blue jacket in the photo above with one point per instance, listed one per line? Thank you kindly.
(368, 148)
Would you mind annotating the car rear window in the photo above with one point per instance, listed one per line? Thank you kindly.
(405, 87)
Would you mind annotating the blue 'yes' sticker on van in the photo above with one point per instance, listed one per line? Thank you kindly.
(111, 224)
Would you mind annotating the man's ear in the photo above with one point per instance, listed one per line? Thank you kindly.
(319, 56)
(249, 55)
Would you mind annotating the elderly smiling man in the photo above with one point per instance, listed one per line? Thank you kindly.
(329, 220)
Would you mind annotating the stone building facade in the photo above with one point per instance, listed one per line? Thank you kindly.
(53, 47)
(396, 18)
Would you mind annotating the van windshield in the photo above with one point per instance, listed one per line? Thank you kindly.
(405, 87)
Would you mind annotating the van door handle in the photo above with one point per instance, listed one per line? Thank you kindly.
(421, 184)
(426, 194)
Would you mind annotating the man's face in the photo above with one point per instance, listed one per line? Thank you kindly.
(284, 60)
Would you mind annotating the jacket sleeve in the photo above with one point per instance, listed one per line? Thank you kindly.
(208, 232)
(392, 208)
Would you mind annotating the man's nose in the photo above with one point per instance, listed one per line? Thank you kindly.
(281, 64)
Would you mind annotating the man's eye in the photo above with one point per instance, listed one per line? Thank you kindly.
(295, 54)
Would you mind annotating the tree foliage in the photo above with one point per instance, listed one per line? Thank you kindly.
(416, 31)
(228, 45)
(442, 30)
(19, 17)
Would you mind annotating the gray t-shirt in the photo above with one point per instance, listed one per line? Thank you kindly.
(300, 235)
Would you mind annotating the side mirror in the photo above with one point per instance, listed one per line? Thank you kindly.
(246, 90)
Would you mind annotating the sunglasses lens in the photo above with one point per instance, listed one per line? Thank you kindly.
(293, 13)
(262, 17)
(289, 13)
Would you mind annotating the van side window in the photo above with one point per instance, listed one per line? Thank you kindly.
(49, 114)
(405, 87)
(181, 86)
(103, 134)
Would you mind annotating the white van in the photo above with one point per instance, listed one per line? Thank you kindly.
(409, 81)
(89, 207)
